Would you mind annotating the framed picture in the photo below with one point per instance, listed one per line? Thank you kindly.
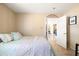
(73, 20)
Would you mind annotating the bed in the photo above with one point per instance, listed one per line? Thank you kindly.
(27, 46)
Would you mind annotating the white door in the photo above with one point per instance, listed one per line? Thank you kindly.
(62, 32)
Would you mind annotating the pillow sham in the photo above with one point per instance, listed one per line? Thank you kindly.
(5, 37)
(16, 35)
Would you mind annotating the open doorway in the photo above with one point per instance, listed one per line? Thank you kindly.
(57, 30)
(51, 27)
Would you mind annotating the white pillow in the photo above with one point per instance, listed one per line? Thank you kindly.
(5, 37)
(16, 35)
(8, 36)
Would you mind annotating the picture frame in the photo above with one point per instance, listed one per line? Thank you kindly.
(73, 20)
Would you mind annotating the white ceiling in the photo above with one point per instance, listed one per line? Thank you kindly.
(40, 7)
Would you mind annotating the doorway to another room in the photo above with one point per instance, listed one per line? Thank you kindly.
(52, 28)
(57, 29)
(57, 34)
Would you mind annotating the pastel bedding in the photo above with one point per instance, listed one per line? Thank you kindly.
(27, 46)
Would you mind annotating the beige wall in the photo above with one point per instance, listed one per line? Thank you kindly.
(7, 19)
(74, 29)
(30, 24)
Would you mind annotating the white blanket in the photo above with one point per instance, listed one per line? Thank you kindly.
(27, 46)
